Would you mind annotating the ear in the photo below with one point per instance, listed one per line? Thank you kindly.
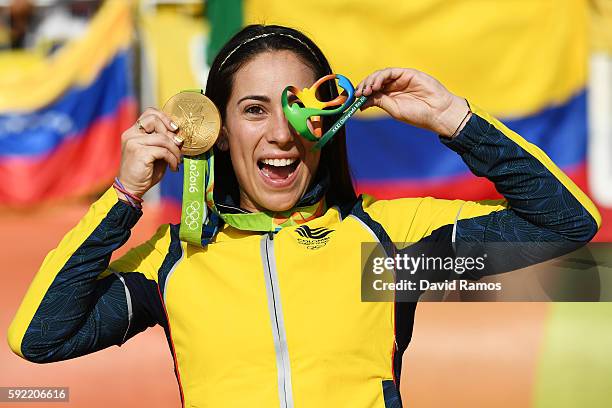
(223, 142)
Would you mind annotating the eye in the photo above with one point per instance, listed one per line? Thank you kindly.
(254, 110)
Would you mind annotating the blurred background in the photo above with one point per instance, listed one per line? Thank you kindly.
(75, 74)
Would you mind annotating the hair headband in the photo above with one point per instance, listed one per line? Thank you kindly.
(267, 35)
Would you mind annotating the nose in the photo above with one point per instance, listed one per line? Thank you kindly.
(281, 132)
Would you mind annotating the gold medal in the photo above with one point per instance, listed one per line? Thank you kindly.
(198, 120)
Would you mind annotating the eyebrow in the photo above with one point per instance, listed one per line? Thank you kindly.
(261, 98)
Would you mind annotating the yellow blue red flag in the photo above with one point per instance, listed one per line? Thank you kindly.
(61, 116)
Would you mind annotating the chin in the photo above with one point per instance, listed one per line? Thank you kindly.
(279, 201)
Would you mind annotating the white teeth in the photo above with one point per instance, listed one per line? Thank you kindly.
(278, 162)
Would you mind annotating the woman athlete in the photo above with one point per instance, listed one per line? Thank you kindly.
(263, 318)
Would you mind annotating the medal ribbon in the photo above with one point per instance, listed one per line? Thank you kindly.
(194, 212)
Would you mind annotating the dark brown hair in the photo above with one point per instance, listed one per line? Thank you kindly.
(243, 47)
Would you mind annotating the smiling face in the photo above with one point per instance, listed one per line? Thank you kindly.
(273, 164)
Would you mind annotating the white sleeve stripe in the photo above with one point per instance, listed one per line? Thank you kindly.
(128, 299)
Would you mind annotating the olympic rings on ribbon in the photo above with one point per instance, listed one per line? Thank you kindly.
(192, 220)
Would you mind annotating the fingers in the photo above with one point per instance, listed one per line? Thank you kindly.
(379, 79)
(155, 124)
(368, 104)
(137, 146)
(153, 120)
(154, 128)
(386, 76)
(373, 82)
(372, 86)
(163, 141)
(375, 99)
(365, 87)
(161, 153)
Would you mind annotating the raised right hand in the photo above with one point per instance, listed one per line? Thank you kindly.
(147, 148)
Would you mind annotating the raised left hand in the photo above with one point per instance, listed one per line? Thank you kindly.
(415, 98)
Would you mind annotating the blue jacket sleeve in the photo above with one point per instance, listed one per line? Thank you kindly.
(547, 214)
(75, 304)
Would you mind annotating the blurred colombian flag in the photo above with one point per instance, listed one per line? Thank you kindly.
(61, 115)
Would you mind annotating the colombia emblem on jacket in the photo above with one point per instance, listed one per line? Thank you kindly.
(314, 238)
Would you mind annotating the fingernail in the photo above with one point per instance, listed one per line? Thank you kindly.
(173, 125)
(177, 140)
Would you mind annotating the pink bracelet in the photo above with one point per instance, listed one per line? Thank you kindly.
(134, 201)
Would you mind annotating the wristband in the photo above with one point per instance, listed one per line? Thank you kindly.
(462, 120)
(134, 201)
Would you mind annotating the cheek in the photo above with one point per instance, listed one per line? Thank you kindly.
(312, 159)
(242, 142)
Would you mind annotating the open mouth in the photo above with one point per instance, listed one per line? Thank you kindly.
(278, 169)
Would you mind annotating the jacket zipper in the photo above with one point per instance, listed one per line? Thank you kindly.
(285, 392)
